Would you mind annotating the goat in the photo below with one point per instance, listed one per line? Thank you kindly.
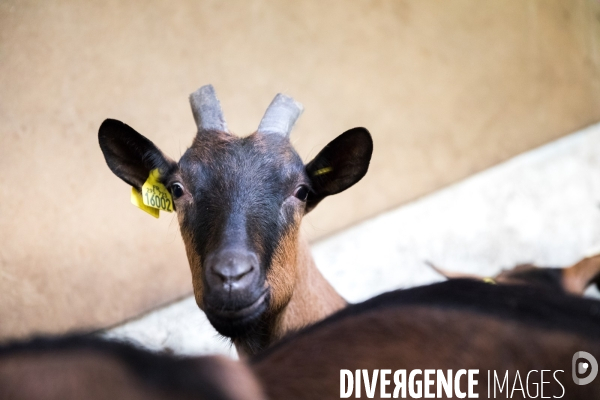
(239, 203)
(508, 330)
(454, 325)
(574, 279)
(86, 367)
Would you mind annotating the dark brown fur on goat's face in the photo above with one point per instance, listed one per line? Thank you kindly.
(239, 202)
(239, 192)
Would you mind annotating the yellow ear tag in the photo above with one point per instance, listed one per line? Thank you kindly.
(491, 281)
(323, 171)
(136, 200)
(154, 196)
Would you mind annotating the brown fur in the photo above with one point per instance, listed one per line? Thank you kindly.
(308, 367)
(302, 296)
(195, 267)
(56, 376)
(312, 299)
(240, 202)
(237, 381)
(99, 373)
(283, 272)
(290, 266)
(91, 374)
(454, 325)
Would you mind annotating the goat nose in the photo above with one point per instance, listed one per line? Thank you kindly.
(232, 269)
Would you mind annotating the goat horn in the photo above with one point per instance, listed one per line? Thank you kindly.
(281, 116)
(207, 110)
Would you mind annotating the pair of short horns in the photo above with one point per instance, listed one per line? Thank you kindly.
(279, 118)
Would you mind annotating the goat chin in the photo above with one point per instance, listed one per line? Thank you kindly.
(240, 202)
(235, 324)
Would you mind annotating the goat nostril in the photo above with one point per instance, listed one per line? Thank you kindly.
(243, 273)
(232, 269)
(228, 275)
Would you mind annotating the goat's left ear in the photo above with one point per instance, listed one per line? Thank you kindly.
(130, 155)
(342, 163)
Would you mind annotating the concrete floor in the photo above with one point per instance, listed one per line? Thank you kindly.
(541, 207)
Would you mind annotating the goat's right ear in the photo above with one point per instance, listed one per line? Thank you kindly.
(342, 163)
(130, 155)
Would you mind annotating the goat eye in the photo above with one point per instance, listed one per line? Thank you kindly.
(177, 190)
(301, 193)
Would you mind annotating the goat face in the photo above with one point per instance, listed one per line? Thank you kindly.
(239, 213)
(239, 203)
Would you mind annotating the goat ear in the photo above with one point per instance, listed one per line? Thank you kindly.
(342, 163)
(577, 278)
(130, 155)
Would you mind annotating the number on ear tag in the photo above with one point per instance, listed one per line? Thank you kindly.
(154, 196)
(136, 200)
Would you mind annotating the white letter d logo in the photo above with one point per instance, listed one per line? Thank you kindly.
(583, 368)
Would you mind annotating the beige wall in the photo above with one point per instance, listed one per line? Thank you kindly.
(447, 89)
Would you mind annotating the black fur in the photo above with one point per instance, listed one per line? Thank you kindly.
(238, 186)
(531, 305)
(346, 157)
(550, 278)
(239, 194)
(130, 155)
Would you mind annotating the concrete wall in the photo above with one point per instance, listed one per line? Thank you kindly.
(446, 88)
